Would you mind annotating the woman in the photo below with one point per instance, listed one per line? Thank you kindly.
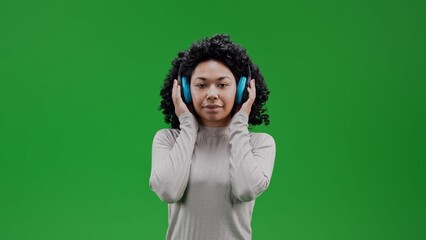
(209, 168)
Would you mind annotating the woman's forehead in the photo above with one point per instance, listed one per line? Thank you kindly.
(211, 70)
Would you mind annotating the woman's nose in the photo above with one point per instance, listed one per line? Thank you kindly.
(212, 93)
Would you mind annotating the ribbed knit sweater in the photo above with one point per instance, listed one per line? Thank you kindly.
(210, 177)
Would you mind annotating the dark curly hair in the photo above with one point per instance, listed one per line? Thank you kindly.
(219, 48)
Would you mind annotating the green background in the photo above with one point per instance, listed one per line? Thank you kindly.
(79, 92)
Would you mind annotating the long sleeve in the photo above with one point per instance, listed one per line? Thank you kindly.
(252, 159)
(171, 159)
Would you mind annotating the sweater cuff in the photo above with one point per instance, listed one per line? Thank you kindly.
(187, 119)
(239, 119)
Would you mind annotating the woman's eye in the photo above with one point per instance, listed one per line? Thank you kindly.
(223, 85)
(201, 85)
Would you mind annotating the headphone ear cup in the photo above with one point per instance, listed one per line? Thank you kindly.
(186, 92)
(241, 90)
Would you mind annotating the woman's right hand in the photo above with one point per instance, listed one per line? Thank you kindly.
(180, 106)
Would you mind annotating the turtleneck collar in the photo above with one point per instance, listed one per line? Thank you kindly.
(213, 131)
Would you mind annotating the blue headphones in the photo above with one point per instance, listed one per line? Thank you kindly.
(240, 96)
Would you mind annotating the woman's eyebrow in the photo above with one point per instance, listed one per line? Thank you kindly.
(219, 78)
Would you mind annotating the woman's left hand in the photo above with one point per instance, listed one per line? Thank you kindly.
(246, 107)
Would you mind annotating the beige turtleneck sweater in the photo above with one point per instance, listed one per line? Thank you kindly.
(210, 177)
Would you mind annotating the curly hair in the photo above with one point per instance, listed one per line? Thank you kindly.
(219, 48)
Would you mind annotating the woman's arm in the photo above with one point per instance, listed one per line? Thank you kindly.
(171, 159)
(252, 161)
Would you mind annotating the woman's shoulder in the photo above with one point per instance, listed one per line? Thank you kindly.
(167, 134)
(260, 135)
(261, 138)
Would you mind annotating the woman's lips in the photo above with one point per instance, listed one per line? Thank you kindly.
(212, 106)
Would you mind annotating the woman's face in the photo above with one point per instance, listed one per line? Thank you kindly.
(213, 89)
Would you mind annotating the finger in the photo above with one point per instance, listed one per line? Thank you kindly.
(253, 87)
(178, 91)
(175, 93)
(177, 97)
(173, 89)
(252, 90)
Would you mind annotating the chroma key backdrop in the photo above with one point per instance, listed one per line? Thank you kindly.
(80, 90)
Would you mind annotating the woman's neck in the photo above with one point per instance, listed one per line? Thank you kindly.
(215, 124)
